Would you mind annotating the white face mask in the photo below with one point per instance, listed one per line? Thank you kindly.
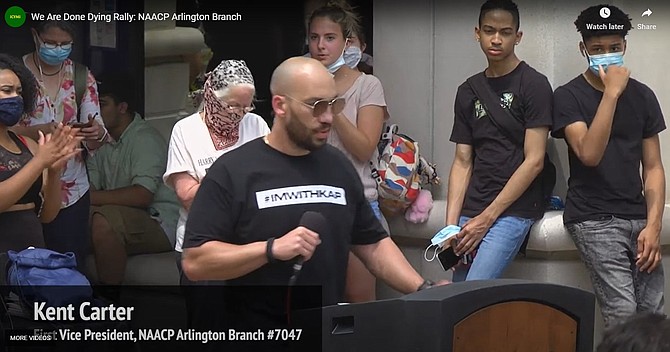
(332, 68)
(352, 56)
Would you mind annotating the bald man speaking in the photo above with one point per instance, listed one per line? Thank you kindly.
(247, 224)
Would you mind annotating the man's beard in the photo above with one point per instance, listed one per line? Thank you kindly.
(300, 135)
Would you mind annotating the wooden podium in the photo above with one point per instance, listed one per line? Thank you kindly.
(477, 316)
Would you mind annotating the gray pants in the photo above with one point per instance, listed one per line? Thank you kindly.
(608, 247)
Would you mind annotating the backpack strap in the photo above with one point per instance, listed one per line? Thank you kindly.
(500, 117)
(428, 172)
(80, 76)
(389, 131)
(375, 173)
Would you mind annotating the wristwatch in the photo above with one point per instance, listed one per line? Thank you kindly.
(268, 250)
(426, 284)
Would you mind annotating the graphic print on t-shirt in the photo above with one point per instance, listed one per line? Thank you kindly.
(9, 165)
(311, 194)
(206, 161)
(505, 101)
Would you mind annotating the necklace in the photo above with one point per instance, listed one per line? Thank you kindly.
(39, 66)
(52, 74)
(43, 83)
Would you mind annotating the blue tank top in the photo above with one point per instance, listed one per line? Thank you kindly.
(11, 163)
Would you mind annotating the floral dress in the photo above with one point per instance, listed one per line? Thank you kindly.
(74, 182)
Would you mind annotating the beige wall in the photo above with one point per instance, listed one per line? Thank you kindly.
(424, 49)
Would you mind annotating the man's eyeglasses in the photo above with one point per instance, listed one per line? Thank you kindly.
(65, 46)
(319, 107)
(239, 109)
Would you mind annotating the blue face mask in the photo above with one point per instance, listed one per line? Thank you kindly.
(54, 56)
(352, 56)
(604, 60)
(332, 68)
(11, 110)
(445, 234)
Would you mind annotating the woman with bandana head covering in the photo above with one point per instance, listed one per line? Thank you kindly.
(223, 123)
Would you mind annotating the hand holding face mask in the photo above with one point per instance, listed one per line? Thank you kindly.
(615, 80)
(604, 60)
(445, 235)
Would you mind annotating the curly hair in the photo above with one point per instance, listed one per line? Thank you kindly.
(590, 19)
(27, 79)
(340, 12)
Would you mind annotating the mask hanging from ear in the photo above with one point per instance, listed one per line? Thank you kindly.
(352, 56)
(332, 68)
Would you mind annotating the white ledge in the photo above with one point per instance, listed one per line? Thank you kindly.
(547, 234)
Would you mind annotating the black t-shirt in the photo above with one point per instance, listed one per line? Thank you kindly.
(614, 187)
(527, 94)
(256, 192)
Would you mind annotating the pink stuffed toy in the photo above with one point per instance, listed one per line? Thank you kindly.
(420, 209)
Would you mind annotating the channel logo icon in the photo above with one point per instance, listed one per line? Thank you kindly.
(15, 16)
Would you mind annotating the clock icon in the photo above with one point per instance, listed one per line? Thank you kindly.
(605, 12)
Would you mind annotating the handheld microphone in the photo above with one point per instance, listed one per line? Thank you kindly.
(316, 222)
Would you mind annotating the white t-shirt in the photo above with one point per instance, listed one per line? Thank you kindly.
(192, 150)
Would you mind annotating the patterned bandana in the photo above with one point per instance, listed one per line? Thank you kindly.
(222, 123)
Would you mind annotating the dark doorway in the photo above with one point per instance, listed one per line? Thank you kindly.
(127, 55)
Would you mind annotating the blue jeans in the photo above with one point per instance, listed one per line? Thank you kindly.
(496, 250)
(608, 247)
(375, 208)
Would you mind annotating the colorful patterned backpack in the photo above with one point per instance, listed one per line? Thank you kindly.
(400, 170)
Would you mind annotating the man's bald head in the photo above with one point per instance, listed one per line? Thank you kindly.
(295, 73)
(298, 84)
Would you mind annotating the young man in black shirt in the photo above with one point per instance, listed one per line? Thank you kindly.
(244, 222)
(492, 192)
(611, 124)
